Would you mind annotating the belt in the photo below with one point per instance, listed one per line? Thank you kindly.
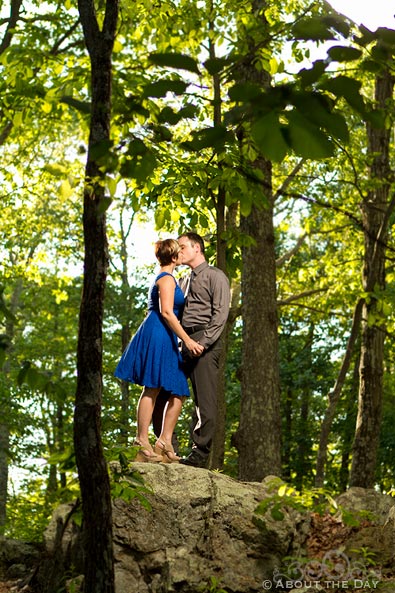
(193, 329)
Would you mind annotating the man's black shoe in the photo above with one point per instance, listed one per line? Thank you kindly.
(195, 459)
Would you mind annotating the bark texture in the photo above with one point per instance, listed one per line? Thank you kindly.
(92, 467)
(260, 423)
(375, 213)
(259, 435)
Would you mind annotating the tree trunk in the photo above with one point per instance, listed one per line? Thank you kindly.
(92, 467)
(259, 434)
(304, 438)
(260, 422)
(349, 424)
(4, 457)
(334, 397)
(217, 453)
(4, 425)
(375, 214)
(287, 442)
(124, 428)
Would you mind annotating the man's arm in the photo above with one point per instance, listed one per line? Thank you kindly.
(220, 302)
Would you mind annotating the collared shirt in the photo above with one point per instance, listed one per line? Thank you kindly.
(207, 302)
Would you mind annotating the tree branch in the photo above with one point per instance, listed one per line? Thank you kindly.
(296, 297)
(281, 260)
(12, 21)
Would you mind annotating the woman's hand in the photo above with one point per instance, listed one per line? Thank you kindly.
(194, 348)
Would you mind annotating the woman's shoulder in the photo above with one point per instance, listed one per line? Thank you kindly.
(165, 275)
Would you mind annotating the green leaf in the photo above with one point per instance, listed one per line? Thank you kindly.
(104, 204)
(267, 133)
(140, 167)
(160, 218)
(376, 118)
(162, 87)
(55, 169)
(370, 66)
(277, 514)
(386, 35)
(136, 147)
(380, 52)
(338, 23)
(168, 115)
(341, 53)
(307, 140)
(175, 60)
(318, 110)
(82, 106)
(162, 134)
(244, 92)
(189, 111)
(310, 76)
(101, 149)
(314, 28)
(348, 88)
(215, 65)
(208, 138)
(245, 204)
(366, 36)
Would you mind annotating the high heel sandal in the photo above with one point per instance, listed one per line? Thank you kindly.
(146, 454)
(167, 451)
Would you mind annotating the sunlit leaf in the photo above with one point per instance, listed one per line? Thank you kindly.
(267, 133)
(245, 204)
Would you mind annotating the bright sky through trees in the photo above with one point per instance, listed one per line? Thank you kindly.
(372, 14)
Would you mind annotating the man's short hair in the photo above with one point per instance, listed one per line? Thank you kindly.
(194, 238)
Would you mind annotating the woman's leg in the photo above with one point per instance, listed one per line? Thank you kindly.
(145, 408)
(164, 443)
(171, 414)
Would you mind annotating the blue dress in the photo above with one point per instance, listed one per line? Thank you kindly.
(152, 358)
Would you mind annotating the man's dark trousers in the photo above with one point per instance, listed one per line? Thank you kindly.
(203, 372)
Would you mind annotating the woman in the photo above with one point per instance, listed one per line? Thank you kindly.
(153, 360)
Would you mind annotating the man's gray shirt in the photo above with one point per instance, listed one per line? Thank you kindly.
(207, 303)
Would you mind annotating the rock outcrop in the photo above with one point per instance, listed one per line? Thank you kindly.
(201, 529)
(198, 531)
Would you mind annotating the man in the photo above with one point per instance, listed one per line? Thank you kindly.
(204, 317)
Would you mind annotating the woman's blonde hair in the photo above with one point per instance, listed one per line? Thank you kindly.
(166, 251)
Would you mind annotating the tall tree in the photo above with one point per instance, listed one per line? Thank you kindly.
(376, 213)
(92, 467)
(260, 422)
